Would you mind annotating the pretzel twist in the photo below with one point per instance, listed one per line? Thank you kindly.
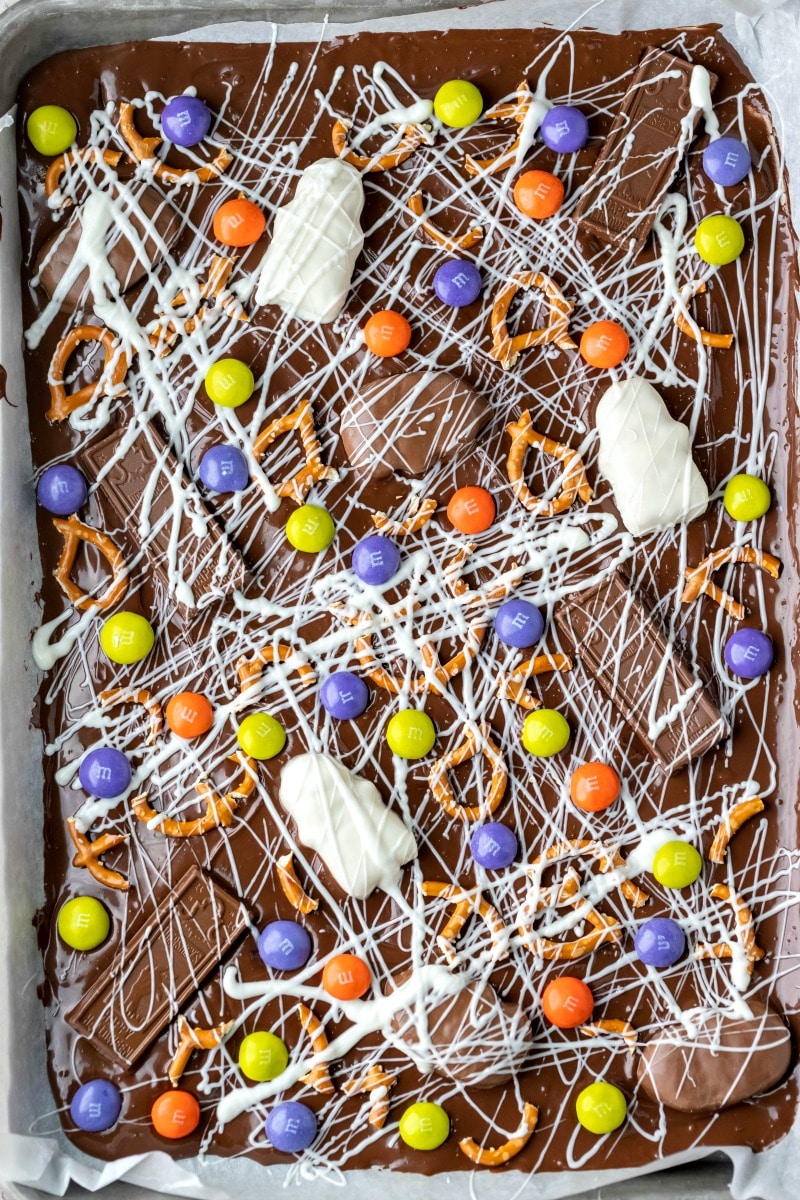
(719, 341)
(291, 886)
(413, 136)
(74, 532)
(438, 674)
(251, 669)
(142, 696)
(318, 1077)
(507, 349)
(419, 514)
(511, 684)
(573, 481)
(164, 333)
(745, 930)
(477, 740)
(516, 111)
(115, 365)
(467, 901)
(497, 1156)
(89, 853)
(191, 1040)
(144, 149)
(623, 1028)
(699, 581)
(607, 856)
(378, 1083)
(219, 809)
(297, 486)
(58, 167)
(452, 245)
(731, 823)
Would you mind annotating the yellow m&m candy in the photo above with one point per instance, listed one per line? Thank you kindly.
(458, 103)
(746, 498)
(263, 1056)
(229, 382)
(126, 638)
(83, 923)
(310, 528)
(719, 240)
(261, 736)
(51, 129)
(601, 1107)
(411, 734)
(545, 732)
(424, 1126)
(677, 864)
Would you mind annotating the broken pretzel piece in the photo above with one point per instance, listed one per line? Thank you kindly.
(573, 482)
(718, 341)
(699, 581)
(419, 514)
(250, 670)
(378, 1083)
(507, 349)
(745, 931)
(451, 244)
(114, 696)
(74, 532)
(437, 674)
(219, 809)
(467, 901)
(164, 333)
(318, 1077)
(511, 684)
(413, 136)
(85, 154)
(623, 1028)
(477, 740)
(497, 1156)
(191, 1040)
(144, 149)
(297, 486)
(458, 586)
(110, 383)
(731, 823)
(89, 853)
(291, 886)
(508, 111)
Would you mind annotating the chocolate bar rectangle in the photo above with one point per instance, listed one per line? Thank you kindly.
(642, 153)
(640, 671)
(204, 558)
(159, 968)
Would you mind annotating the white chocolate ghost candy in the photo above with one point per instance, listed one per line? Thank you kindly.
(646, 456)
(316, 240)
(342, 816)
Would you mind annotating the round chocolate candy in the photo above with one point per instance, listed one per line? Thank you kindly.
(719, 239)
(126, 637)
(601, 1107)
(62, 490)
(677, 864)
(291, 1126)
(519, 623)
(749, 653)
(565, 129)
(376, 559)
(344, 695)
(726, 161)
(263, 1056)
(185, 120)
(104, 772)
(458, 282)
(458, 103)
(224, 469)
(51, 129)
(284, 946)
(424, 1126)
(96, 1106)
(83, 923)
(494, 846)
(660, 942)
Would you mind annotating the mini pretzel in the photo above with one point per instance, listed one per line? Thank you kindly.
(497, 1156)
(477, 740)
(511, 684)
(413, 135)
(297, 486)
(319, 1076)
(745, 930)
(604, 929)
(458, 586)
(573, 481)
(608, 857)
(88, 855)
(442, 672)
(419, 514)
(379, 1084)
(144, 150)
(698, 579)
(731, 823)
(191, 1040)
(505, 348)
(452, 244)
(214, 287)
(219, 809)
(720, 341)
(52, 180)
(467, 902)
(517, 111)
(141, 696)
(61, 404)
(74, 532)
(292, 888)
(250, 670)
(624, 1028)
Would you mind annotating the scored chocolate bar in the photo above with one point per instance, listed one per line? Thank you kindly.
(640, 156)
(622, 647)
(159, 968)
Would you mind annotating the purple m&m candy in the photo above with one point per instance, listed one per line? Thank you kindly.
(519, 623)
(224, 469)
(344, 695)
(104, 772)
(185, 120)
(565, 129)
(749, 653)
(726, 161)
(660, 942)
(96, 1106)
(284, 946)
(458, 282)
(291, 1126)
(62, 490)
(494, 846)
(376, 559)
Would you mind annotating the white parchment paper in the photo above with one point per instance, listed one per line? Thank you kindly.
(33, 1151)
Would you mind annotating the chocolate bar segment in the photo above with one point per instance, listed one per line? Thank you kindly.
(159, 968)
(622, 647)
(642, 153)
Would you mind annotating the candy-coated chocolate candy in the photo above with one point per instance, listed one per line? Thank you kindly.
(538, 194)
(604, 344)
(494, 846)
(726, 161)
(126, 638)
(229, 382)
(346, 976)
(291, 1126)
(749, 653)
(344, 695)
(594, 786)
(376, 559)
(387, 333)
(96, 1106)
(458, 103)
(719, 239)
(424, 1126)
(239, 222)
(83, 923)
(189, 715)
(175, 1114)
(310, 528)
(565, 129)
(545, 732)
(261, 736)
(746, 498)
(660, 942)
(185, 120)
(677, 864)
(104, 772)
(458, 282)
(601, 1107)
(62, 490)
(224, 469)
(51, 129)
(471, 510)
(519, 623)
(263, 1056)
(411, 734)
(567, 1002)
(284, 946)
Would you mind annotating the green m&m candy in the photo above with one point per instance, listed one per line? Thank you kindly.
(83, 923)
(545, 732)
(677, 864)
(51, 129)
(411, 734)
(601, 1107)
(229, 382)
(746, 498)
(126, 637)
(310, 528)
(458, 103)
(263, 1056)
(719, 240)
(424, 1126)
(261, 736)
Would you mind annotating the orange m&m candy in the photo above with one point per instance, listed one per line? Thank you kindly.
(346, 976)
(567, 1002)
(594, 786)
(189, 715)
(604, 344)
(175, 1114)
(387, 333)
(239, 222)
(471, 510)
(538, 194)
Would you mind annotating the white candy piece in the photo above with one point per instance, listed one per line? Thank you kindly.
(316, 240)
(342, 816)
(646, 456)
